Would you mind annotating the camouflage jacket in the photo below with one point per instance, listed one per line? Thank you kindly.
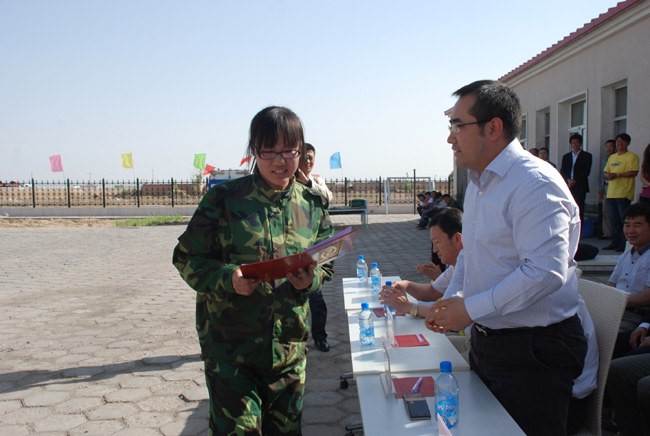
(245, 221)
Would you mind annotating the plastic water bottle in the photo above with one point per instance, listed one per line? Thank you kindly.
(366, 326)
(447, 395)
(362, 269)
(387, 307)
(375, 278)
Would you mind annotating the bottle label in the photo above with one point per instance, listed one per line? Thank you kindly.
(447, 408)
(367, 334)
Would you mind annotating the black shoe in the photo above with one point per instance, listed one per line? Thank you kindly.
(322, 345)
(610, 247)
(421, 227)
(620, 249)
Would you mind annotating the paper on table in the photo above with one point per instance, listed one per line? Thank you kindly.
(443, 430)
(323, 252)
(405, 384)
(411, 341)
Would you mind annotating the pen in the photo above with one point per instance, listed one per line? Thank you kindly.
(416, 386)
(420, 338)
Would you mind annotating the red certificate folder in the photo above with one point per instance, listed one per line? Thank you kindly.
(323, 252)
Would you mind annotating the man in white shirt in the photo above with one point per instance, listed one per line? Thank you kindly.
(317, 305)
(632, 271)
(515, 278)
(447, 240)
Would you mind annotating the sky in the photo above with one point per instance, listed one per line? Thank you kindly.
(165, 80)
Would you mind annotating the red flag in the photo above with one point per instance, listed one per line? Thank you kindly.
(244, 160)
(208, 169)
(55, 163)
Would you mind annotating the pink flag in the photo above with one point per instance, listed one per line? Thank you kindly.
(55, 163)
(208, 169)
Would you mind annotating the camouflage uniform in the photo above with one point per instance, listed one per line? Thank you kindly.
(254, 347)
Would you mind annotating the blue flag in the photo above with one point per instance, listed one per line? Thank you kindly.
(335, 161)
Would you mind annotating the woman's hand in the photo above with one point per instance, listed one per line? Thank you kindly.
(303, 278)
(242, 285)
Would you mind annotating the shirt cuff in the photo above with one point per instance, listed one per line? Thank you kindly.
(645, 325)
(480, 306)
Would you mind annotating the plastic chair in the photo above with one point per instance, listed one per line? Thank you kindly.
(606, 305)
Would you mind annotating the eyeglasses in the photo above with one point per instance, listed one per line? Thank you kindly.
(270, 155)
(455, 128)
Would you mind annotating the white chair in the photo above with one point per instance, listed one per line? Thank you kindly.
(606, 305)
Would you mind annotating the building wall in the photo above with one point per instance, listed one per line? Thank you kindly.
(613, 54)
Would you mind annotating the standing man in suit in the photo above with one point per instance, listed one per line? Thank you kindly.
(576, 166)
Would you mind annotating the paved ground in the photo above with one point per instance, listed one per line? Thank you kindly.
(97, 331)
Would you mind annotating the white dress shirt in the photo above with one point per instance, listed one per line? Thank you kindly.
(632, 271)
(521, 229)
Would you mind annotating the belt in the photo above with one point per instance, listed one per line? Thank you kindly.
(486, 331)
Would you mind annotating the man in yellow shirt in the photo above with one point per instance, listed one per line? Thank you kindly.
(621, 170)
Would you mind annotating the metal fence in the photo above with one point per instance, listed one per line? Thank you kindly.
(104, 193)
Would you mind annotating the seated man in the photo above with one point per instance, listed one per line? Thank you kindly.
(437, 204)
(451, 202)
(636, 342)
(628, 385)
(632, 271)
(421, 203)
(447, 241)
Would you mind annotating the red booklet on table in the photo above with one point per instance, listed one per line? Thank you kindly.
(323, 252)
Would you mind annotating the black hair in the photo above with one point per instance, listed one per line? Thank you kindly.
(494, 100)
(450, 221)
(637, 209)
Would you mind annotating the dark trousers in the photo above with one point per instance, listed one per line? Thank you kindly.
(623, 348)
(616, 207)
(318, 310)
(628, 385)
(531, 371)
(579, 195)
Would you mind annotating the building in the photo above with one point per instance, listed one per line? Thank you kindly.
(594, 82)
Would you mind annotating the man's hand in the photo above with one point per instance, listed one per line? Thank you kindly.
(638, 337)
(242, 285)
(395, 296)
(303, 278)
(301, 177)
(449, 314)
(430, 270)
(570, 183)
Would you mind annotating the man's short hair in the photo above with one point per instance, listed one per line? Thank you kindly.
(494, 100)
(420, 195)
(446, 196)
(637, 209)
(625, 137)
(450, 221)
(577, 136)
(309, 147)
(613, 141)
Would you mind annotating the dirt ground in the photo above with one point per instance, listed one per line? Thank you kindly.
(63, 222)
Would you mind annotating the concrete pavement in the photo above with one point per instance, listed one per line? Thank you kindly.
(97, 331)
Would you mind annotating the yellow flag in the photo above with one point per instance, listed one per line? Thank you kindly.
(127, 160)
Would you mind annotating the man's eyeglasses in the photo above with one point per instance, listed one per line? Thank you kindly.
(455, 128)
(270, 155)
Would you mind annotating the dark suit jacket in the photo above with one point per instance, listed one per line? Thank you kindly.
(580, 171)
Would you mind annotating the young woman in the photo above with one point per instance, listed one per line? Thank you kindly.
(253, 334)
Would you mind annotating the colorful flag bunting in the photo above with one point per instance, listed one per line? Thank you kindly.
(335, 161)
(244, 160)
(208, 169)
(55, 163)
(127, 160)
(199, 161)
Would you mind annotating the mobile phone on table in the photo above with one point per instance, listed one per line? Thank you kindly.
(416, 406)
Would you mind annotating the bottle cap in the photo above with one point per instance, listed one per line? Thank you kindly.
(361, 256)
(445, 366)
(374, 264)
(364, 306)
(389, 283)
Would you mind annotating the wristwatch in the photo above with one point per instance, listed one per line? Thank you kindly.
(414, 310)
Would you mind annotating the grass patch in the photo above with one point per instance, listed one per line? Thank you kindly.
(149, 221)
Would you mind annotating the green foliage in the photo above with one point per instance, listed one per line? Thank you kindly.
(148, 221)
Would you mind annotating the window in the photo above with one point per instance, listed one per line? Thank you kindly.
(524, 129)
(547, 129)
(578, 120)
(620, 110)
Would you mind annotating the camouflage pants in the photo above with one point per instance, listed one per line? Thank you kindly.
(244, 402)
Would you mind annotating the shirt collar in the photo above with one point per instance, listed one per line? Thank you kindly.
(640, 252)
(276, 197)
(502, 163)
